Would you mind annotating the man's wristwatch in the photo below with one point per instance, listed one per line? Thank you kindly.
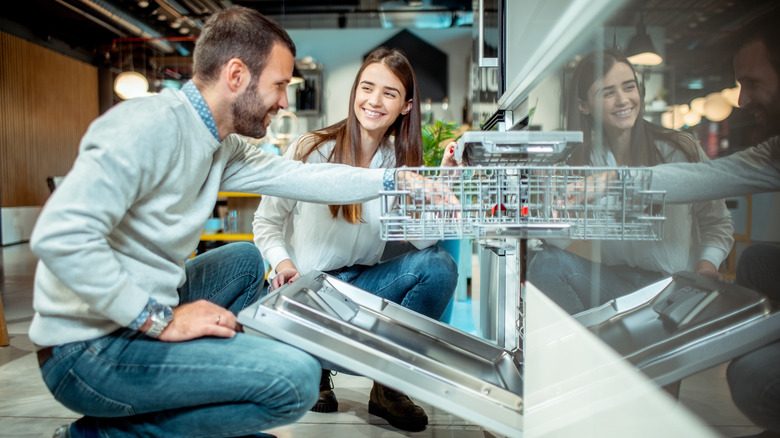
(161, 315)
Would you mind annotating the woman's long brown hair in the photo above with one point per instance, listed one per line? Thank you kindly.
(346, 133)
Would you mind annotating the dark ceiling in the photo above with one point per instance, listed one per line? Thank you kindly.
(698, 43)
(700, 37)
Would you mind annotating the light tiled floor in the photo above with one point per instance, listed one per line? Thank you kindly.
(28, 410)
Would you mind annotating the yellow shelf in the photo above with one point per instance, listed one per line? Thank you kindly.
(246, 204)
(226, 236)
(238, 195)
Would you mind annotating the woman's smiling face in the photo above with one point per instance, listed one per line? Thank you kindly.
(616, 95)
(379, 99)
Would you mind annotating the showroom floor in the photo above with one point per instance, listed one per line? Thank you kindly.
(27, 409)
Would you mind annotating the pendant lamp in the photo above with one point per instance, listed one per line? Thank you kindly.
(640, 49)
(131, 84)
(297, 77)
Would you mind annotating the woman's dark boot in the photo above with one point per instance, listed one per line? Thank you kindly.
(327, 401)
(397, 409)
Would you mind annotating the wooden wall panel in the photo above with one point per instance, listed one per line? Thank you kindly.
(47, 101)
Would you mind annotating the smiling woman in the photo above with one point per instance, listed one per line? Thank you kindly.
(606, 104)
(382, 130)
(616, 95)
(380, 100)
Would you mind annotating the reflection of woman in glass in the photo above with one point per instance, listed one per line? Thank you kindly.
(607, 106)
(381, 130)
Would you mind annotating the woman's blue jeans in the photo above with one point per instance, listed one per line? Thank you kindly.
(576, 284)
(129, 385)
(423, 281)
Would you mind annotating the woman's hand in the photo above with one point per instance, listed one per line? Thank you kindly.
(448, 159)
(286, 276)
(286, 272)
(707, 269)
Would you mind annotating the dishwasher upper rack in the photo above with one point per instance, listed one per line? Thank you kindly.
(525, 202)
(515, 148)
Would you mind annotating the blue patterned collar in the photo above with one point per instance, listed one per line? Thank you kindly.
(193, 94)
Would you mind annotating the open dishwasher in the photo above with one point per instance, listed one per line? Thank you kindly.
(518, 194)
(671, 329)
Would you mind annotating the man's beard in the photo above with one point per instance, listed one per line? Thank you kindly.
(769, 121)
(767, 116)
(246, 120)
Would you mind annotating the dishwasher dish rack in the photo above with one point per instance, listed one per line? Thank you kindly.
(524, 202)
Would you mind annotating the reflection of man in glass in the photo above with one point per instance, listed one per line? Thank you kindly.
(756, 69)
(754, 378)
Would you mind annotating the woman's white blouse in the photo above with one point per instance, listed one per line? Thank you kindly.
(310, 236)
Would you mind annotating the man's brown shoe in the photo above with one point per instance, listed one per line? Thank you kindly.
(327, 401)
(397, 409)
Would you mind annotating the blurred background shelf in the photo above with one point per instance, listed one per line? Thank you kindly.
(232, 237)
(237, 195)
(244, 204)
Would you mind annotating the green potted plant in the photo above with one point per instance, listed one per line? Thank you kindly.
(435, 137)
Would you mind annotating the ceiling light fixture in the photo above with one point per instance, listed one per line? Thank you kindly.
(691, 118)
(697, 105)
(732, 95)
(640, 49)
(716, 107)
(674, 118)
(297, 77)
(131, 84)
(414, 14)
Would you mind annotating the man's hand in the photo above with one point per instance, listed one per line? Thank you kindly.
(597, 183)
(433, 193)
(198, 319)
(707, 269)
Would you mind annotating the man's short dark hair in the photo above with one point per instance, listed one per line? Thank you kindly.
(765, 28)
(237, 32)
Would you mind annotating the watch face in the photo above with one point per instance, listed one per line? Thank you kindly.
(161, 315)
(166, 313)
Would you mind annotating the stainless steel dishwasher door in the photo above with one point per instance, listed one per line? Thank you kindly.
(428, 360)
(684, 324)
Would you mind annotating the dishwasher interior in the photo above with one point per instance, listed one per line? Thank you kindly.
(513, 190)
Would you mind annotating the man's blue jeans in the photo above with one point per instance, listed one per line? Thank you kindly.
(129, 385)
(754, 378)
